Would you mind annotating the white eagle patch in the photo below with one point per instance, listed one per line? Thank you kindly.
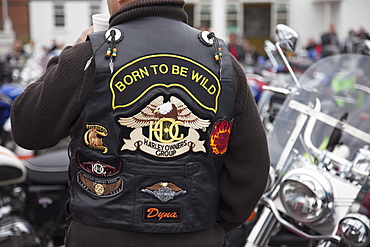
(157, 109)
(166, 138)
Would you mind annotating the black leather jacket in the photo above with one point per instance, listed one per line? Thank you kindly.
(149, 145)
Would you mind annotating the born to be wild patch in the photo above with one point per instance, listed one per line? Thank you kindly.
(163, 120)
(132, 81)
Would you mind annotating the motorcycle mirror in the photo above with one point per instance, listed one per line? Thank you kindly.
(287, 37)
(269, 46)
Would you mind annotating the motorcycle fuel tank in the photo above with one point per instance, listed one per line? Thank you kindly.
(12, 169)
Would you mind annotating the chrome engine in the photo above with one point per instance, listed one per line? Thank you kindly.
(14, 230)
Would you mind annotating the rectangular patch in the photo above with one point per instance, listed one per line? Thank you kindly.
(158, 214)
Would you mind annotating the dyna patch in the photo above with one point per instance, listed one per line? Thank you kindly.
(161, 214)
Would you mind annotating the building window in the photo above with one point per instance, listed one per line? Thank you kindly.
(205, 16)
(257, 21)
(282, 13)
(59, 17)
(232, 18)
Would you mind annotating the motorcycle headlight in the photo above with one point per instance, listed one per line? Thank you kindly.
(306, 195)
(354, 229)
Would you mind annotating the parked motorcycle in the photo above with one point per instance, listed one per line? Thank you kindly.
(8, 92)
(33, 194)
(318, 194)
(256, 84)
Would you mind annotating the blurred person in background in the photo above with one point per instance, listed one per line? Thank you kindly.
(363, 34)
(17, 56)
(313, 50)
(330, 42)
(352, 43)
(235, 47)
(250, 53)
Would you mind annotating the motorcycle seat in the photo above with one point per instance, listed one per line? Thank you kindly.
(49, 168)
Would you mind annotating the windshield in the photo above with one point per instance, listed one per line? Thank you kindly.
(342, 84)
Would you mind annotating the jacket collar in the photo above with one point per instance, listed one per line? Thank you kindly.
(144, 8)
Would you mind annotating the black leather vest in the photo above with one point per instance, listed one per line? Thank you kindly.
(148, 147)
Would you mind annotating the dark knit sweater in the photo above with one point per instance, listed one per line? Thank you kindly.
(43, 114)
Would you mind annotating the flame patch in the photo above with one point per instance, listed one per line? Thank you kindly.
(219, 138)
(164, 191)
(103, 188)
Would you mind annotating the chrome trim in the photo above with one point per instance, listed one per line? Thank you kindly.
(271, 179)
(287, 38)
(323, 191)
(302, 108)
(291, 227)
(351, 220)
(15, 227)
(300, 123)
(262, 230)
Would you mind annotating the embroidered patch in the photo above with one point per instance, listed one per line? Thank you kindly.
(166, 71)
(99, 168)
(164, 121)
(164, 191)
(91, 137)
(220, 136)
(101, 188)
(162, 214)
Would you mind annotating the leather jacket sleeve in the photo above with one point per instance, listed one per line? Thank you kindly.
(247, 159)
(41, 116)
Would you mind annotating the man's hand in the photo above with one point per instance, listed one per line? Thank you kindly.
(83, 35)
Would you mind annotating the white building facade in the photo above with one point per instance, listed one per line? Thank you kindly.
(7, 35)
(60, 21)
(255, 20)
